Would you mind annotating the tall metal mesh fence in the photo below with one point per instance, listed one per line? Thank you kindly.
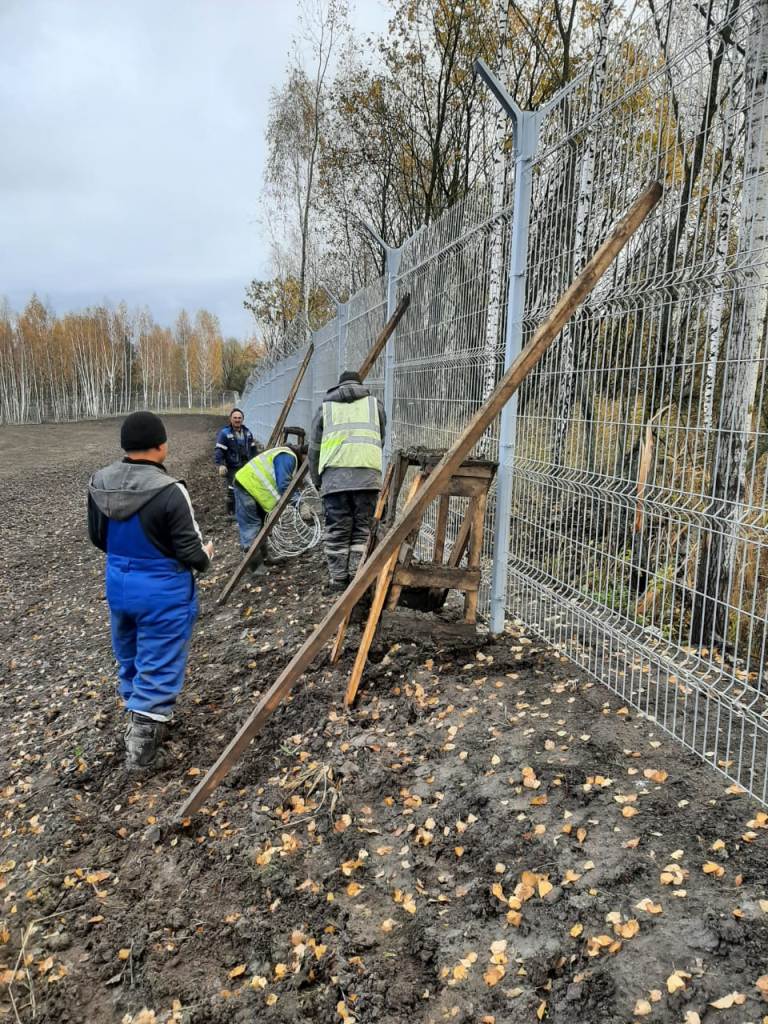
(638, 457)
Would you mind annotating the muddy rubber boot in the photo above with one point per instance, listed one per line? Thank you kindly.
(335, 586)
(143, 739)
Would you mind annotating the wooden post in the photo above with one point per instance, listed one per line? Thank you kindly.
(430, 489)
(274, 437)
(277, 511)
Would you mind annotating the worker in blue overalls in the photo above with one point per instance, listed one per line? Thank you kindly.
(143, 519)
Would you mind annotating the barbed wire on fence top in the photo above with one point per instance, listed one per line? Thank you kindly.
(639, 509)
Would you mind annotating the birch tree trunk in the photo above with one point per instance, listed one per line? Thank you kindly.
(499, 177)
(584, 203)
(717, 557)
(717, 306)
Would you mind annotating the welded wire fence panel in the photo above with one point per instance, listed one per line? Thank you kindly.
(366, 315)
(448, 347)
(639, 462)
(640, 543)
(324, 368)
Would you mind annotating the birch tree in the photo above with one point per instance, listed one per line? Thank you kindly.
(745, 341)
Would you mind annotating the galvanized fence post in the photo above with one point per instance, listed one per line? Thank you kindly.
(525, 130)
(526, 125)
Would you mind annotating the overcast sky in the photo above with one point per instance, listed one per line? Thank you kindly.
(131, 148)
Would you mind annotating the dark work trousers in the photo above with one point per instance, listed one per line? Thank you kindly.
(348, 516)
(231, 490)
(250, 519)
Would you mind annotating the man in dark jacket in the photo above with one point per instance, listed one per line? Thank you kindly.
(143, 519)
(235, 445)
(345, 462)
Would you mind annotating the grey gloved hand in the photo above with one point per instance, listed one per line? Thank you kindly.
(306, 512)
(222, 470)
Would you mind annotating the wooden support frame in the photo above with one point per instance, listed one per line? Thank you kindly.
(545, 335)
(365, 368)
(274, 437)
(377, 606)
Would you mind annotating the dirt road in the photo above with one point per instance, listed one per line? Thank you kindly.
(488, 838)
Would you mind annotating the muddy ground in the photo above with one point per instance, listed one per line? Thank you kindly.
(488, 837)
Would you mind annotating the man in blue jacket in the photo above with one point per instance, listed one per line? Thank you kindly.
(235, 445)
(143, 519)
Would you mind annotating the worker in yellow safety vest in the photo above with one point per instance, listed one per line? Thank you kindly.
(258, 486)
(345, 462)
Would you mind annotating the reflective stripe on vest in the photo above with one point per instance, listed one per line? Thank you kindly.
(257, 477)
(351, 435)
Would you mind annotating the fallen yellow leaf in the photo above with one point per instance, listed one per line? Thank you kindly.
(642, 1008)
(649, 906)
(493, 975)
(726, 1002)
(576, 931)
(353, 889)
(123, 954)
(237, 971)
(675, 982)
(628, 930)
(711, 868)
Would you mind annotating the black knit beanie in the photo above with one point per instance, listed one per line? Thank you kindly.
(350, 376)
(141, 431)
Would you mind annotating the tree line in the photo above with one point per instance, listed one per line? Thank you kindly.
(392, 130)
(105, 361)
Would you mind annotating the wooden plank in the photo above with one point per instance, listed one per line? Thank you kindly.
(370, 359)
(386, 333)
(440, 577)
(432, 487)
(456, 555)
(401, 468)
(378, 512)
(441, 528)
(377, 606)
(467, 486)
(477, 511)
(274, 437)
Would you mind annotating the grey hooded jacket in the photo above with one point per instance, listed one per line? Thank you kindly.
(132, 486)
(341, 478)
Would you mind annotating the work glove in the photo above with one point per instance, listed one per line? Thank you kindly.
(306, 513)
(222, 470)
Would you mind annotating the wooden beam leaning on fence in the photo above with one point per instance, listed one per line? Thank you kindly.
(300, 474)
(274, 437)
(427, 492)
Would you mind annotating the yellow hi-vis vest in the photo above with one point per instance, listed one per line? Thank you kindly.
(351, 435)
(257, 477)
